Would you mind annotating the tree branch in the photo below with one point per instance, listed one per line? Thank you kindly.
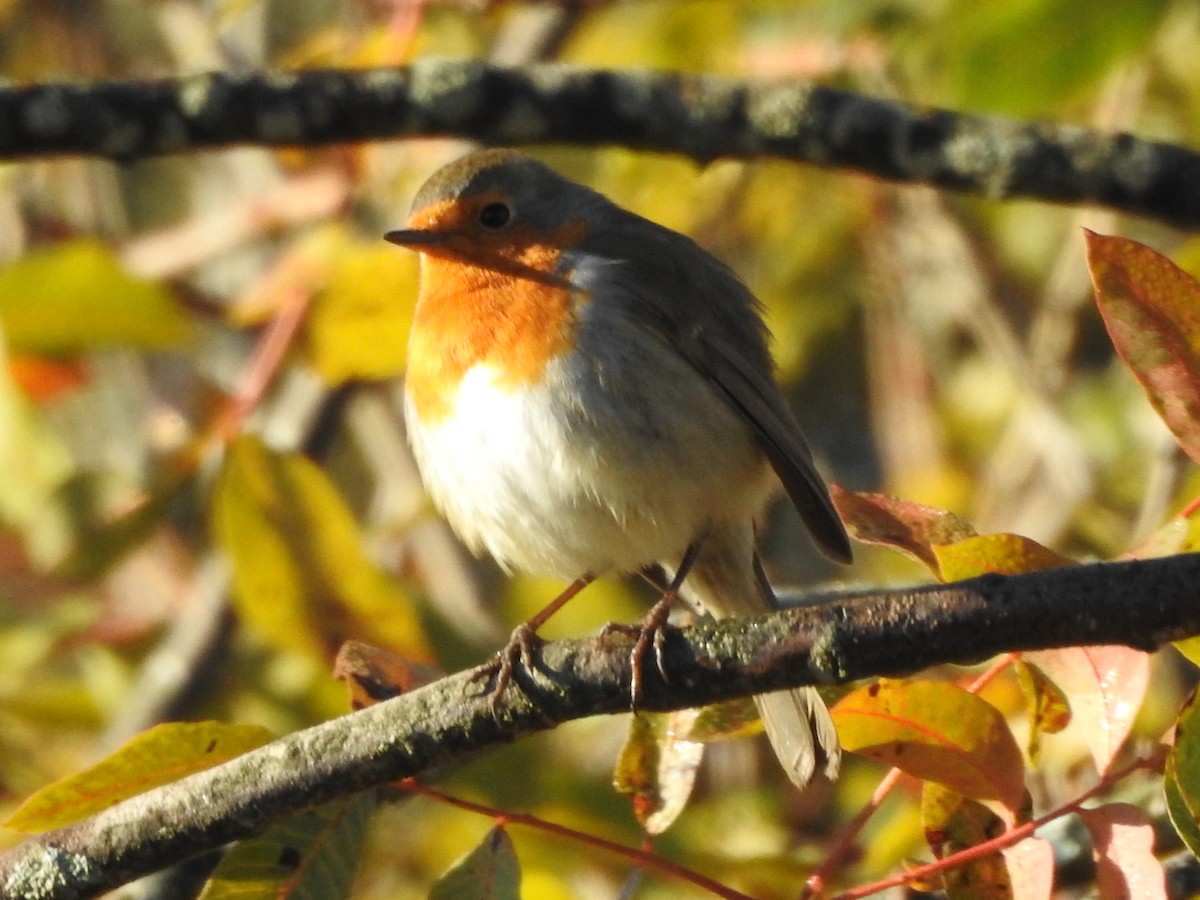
(700, 116)
(1142, 604)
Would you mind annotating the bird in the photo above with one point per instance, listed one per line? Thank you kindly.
(588, 393)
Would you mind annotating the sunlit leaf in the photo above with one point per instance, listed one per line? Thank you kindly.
(1151, 309)
(909, 527)
(311, 856)
(75, 296)
(657, 768)
(489, 872)
(953, 822)
(1123, 847)
(1190, 648)
(1049, 710)
(163, 754)
(1105, 685)
(1005, 554)
(372, 674)
(936, 731)
(1187, 823)
(1030, 866)
(301, 575)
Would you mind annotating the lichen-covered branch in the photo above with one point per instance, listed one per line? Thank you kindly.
(847, 637)
(700, 116)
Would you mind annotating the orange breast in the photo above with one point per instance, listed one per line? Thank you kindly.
(488, 312)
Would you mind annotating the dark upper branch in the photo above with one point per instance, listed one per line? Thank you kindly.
(700, 116)
(882, 632)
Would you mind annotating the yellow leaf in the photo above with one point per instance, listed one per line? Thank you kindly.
(1005, 554)
(936, 731)
(301, 575)
(358, 326)
(75, 296)
(952, 823)
(163, 754)
(657, 767)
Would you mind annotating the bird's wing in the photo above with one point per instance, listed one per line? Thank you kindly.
(755, 395)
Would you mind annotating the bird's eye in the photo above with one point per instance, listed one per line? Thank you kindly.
(495, 215)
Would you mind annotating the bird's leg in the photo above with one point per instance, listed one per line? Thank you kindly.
(652, 632)
(522, 642)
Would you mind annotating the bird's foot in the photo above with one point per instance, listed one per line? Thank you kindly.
(650, 634)
(498, 671)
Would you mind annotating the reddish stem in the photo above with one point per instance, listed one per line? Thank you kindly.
(641, 857)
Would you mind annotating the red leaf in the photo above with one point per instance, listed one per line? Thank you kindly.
(1123, 847)
(900, 524)
(1151, 309)
(1106, 686)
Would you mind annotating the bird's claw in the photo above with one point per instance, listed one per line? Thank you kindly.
(498, 671)
(651, 633)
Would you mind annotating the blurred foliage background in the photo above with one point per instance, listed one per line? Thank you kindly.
(941, 348)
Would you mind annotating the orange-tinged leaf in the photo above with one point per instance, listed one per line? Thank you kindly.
(163, 754)
(657, 768)
(373, 674)
(1030, 866)
(1004, 554)
(1151, 309)
(75, 296)
(301, 575)
(901, 524)
(1123, 847)
(1049, 710)
(489, 872)
(1106, 686)
(42, 378)
(952, 823)
(935, 731)
(310, 856)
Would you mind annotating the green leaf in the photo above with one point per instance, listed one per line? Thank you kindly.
(936, 731)
(301, 575)
(1151, 309)
(489, 872)
(311, 856)
(1181, 779)
(76, 296)
(163, 754)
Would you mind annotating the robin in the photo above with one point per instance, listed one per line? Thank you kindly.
(588, 392)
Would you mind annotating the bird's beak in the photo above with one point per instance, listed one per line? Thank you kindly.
(415, 238)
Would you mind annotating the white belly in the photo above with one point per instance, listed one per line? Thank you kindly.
(625, 477)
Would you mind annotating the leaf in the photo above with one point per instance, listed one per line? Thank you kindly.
(300, 572)
(1049, 711)
(489, 872)
(953, 822)
(373, 674)
(43, 378)
(657, 768)
(935, 731)
(163, 754)
(1030, 866)
(76, 296)
(1190, 648)
(1106, 686)
(1181, 775)
(909, 527)
(311, 856)
(1151, 309)
(1123, 847)
(1004, 554)
(736, 718)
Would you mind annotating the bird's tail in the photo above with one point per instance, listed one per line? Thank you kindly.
(726, 581)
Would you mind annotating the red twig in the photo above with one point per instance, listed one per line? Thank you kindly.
(641, 857)
(995, 845)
